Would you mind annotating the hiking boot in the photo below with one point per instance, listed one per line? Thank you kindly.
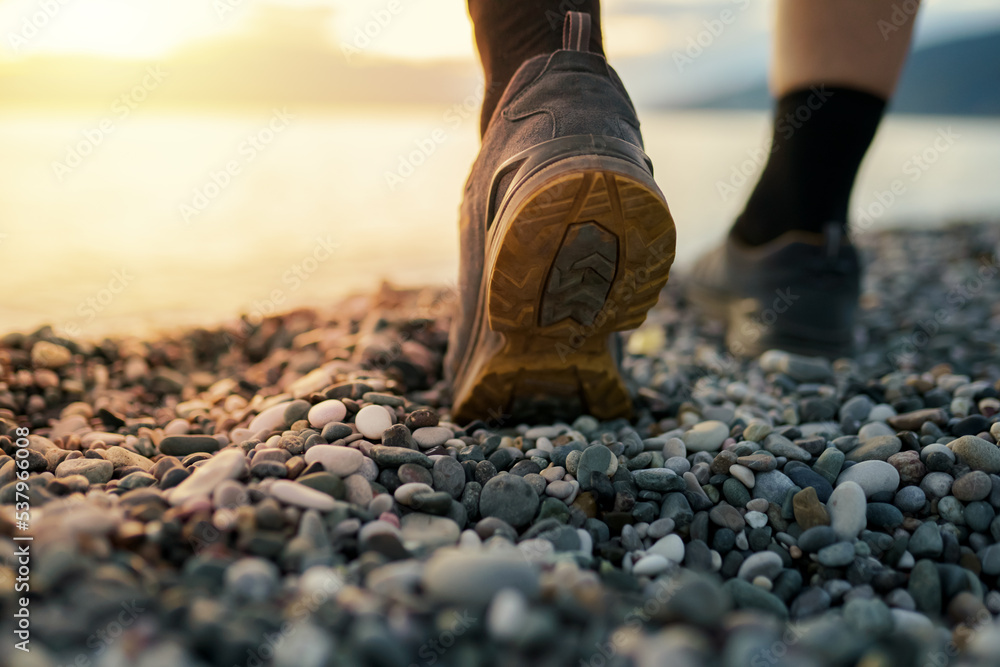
(565, 239)
(798, 293)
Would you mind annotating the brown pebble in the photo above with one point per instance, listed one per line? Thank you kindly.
(809, 511)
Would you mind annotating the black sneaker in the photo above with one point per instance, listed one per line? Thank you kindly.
(798, 293)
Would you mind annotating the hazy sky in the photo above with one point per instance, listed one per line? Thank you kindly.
(413, 29)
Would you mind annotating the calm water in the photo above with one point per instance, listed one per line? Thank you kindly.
(180, 219)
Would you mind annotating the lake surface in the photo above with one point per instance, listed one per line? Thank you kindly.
(124, 225)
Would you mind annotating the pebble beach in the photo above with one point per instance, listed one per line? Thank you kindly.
(292, 492)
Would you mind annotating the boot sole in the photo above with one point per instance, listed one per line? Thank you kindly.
(579, 250)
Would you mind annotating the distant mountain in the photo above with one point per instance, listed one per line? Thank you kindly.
(958, 77)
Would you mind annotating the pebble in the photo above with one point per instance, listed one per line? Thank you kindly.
(372, 421)
(96, 471)
(764, 564)
(326, 412)
(670, 547)
(595, 459)
(227, 464)
(509, 498)
(877, 448)
(651, 565)
(706, 436)
(848, 510)
(183, 445)
(456, 577)
(271, 419)
(123, 458)
(732, 470)
(431, 436)
(301, 495)
(340, 461)
(910, 499)
(977, 453)
(839, 554)
(773, 486)
(872, 476)
(975, 485)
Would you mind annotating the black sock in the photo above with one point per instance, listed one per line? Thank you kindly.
(508, 33)
(820, 136)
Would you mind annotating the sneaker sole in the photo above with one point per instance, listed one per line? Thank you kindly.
(579, 251)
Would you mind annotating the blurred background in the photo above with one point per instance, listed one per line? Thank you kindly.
(174, 162)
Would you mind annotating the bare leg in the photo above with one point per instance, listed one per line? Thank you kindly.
(856, 44)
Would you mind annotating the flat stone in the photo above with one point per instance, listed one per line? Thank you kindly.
(326, 412)
(856, 408)
(840, 554)
(331, 485)
(123, 458)
(300, 495)
(727, 516)
(670, 547)
(650, 566)
(912, 421)
(809, 511)
(758, 462)
(817, 538)
(449, 476)
(874, 430)
(926, 541)
(743, 475)
(911, 470)
(925, 587)
(335, 459)
(747, 596)
(829, 464)
(183, 445)
(372, 421)
(773, 486)
(227, 464)
(596, 458)
(432, 436)
(977, 453)
(910, 499)
(797, 367)
(884, 516)
(976, 485)
(807, 478)
(763, 564)
(271, 419)
(510, 498)
(358, 490)
(872, 476)
(848, 510)
(658, 479)
(990, 559)
(878, 448)
(462, 578)
(393, 457)
(428, 532)
(97, 471)
(779, 445)
(706, 436)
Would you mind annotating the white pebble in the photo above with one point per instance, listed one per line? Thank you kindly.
(341, 461)
(372, 421)
(300, 495)
(650, 566)
(325, 412)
